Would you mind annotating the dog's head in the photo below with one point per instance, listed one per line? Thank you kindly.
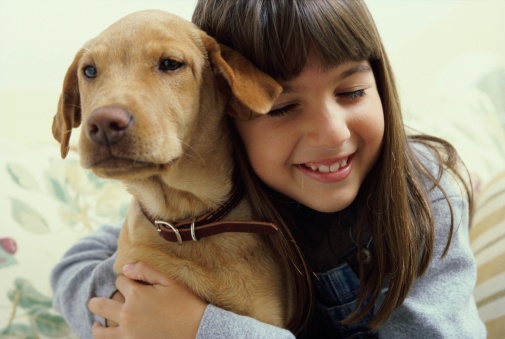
(142, 88)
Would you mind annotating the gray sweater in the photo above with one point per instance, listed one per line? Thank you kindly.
(439, 305)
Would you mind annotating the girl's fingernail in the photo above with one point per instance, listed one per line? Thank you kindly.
(127, 267)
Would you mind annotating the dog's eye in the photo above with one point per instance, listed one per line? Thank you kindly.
(90, 72)
(170, 65)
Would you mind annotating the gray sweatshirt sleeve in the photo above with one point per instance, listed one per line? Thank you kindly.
(440, 303)
(85, 271)
(218, 323)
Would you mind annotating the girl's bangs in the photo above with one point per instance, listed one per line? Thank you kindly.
(333, 30)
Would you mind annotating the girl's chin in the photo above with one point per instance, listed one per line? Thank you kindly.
(327, 206)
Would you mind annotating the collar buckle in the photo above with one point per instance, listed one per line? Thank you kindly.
(160, 223)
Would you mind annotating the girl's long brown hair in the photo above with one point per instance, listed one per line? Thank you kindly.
(277, 35)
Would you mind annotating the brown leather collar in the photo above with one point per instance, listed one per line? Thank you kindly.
(209, 224)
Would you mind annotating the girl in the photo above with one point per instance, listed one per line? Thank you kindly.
(376, 228)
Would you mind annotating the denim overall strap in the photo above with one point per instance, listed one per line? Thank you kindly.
(337, 291)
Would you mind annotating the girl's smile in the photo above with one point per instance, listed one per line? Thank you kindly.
(329, 170)
(322, 136)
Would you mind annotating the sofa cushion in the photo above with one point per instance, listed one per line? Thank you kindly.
(487, 238)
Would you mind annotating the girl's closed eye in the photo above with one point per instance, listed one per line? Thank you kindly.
(278, 112)
(353, 95)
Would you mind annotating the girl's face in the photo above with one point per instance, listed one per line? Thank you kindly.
(322, 136)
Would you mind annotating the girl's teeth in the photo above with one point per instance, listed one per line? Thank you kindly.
(327, 169)
(335, 167)
(324, 169)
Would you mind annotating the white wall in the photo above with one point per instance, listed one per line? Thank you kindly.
(428, 39)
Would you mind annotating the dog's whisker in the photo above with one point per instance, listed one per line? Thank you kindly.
(193, 155)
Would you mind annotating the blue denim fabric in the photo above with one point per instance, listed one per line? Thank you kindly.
(337, 291)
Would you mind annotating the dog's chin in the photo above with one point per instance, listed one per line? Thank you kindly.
(121, 168)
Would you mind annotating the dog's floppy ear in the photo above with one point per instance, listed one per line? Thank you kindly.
(68, 115)
(251, 87)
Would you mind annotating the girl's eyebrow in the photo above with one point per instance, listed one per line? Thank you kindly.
(362, 67)
(359, 68)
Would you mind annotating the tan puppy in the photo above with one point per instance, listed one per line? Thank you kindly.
(151, 92)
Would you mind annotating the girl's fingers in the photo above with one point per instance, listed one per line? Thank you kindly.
(126, 285)
(144, 273)
(105, 308)
(100, 332)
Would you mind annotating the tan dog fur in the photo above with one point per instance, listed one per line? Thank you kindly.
(176, 156)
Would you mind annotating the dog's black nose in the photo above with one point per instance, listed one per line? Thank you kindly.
(107, 125)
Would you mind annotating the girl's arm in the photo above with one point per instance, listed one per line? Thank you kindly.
(167, 309)
(440, 303)
(86, 272)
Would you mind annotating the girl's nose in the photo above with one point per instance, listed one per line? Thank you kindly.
(327, 125)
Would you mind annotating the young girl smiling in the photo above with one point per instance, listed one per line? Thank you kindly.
(376, 221)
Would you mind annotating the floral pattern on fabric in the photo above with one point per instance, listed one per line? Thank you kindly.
(46, 205)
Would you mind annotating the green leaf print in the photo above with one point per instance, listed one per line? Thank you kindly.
(28, 218)
(43, 321)
(22, 177)
(25, 295)
(57, 190)
(18, 331)
(48, 324)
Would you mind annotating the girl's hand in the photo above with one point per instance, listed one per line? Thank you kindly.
(154, 306)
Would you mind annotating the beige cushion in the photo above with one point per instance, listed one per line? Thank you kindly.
(487, 237)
